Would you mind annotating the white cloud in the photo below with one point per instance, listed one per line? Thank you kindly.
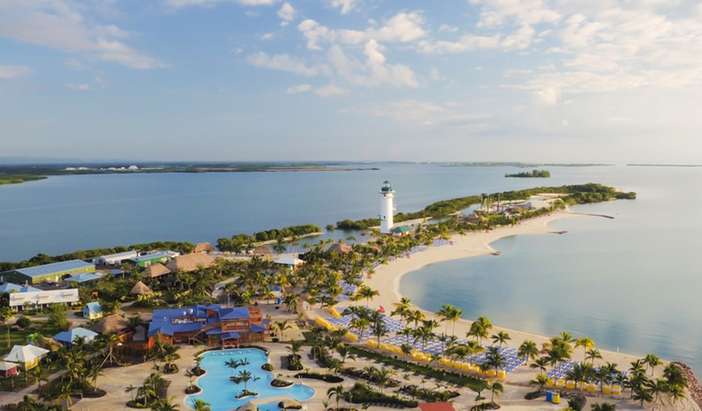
(210, 3)
(65, 26)
(404, 27)
(267, 36)
(283, 62)
(299, 89)
(344, 6)
(13, 72)
(330, 90)
(286, 13)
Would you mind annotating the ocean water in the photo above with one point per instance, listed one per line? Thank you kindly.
(67, 213)
(632, 283)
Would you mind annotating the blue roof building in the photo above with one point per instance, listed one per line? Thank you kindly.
(92, 311)
(69, 337)
(219, 326)
(7, 288)
(50, 272)
(84, 278)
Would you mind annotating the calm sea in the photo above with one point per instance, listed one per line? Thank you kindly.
(631, 283)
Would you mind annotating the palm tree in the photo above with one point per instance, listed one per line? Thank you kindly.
(383, 377)
(366, 293)
(586, 343)
(402, 308)
(244, 376)
(652, 361)
(580, 373)
(528, 350)
(337, 393)
(280, 327)
(501, 338)
(449, 313)
(200, 405)
(493, 359)
(416, 317)
(480, 329)
(378, 326)
(592, 355)
(360, 324)
(540, 381)
(496, 388)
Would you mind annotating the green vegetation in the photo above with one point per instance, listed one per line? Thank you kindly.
(572, 194)
(363, 394)
(535, 173)
(18, 179)
(242, 242)
(425, 370)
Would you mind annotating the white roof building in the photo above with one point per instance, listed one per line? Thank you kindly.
(118, 258)
(25, 354)
(65, 296)
(288, 259)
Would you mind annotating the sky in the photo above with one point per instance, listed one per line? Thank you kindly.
(442, 80)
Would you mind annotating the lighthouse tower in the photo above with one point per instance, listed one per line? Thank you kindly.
(387, 207)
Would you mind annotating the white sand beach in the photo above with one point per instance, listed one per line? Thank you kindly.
(386, 278)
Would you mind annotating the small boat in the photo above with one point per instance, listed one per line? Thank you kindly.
(496, 253)
(559, 232)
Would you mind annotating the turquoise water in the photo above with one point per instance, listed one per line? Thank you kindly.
(632, 283)
(220, 392)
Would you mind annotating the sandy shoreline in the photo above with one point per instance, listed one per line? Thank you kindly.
(386, 278)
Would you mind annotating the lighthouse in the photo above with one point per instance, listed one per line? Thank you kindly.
(387, 207)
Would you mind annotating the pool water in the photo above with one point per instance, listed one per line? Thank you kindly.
(220, 392)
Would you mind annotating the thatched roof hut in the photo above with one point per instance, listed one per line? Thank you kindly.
(141, 289)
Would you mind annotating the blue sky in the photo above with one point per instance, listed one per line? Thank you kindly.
(534, 80)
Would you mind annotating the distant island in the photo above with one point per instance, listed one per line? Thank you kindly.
(17, 179)
(20, 173)
(531, 174)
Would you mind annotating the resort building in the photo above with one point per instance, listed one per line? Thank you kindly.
(27, 356)
(83, 278)
(155, 257)
(44, 298)
(203, 248)
(212, 324)
(7, 288)
(92, 311)
(71, 336)
(140, 289)
(116, 259)
(49, 272)
(387, 207)
(157, 270)
(401, 231)
(290, 260)
(190, 262)
(8, 369)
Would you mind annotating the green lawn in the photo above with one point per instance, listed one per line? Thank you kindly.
(20, 336)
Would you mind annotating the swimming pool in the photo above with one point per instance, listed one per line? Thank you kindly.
(220, 392)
